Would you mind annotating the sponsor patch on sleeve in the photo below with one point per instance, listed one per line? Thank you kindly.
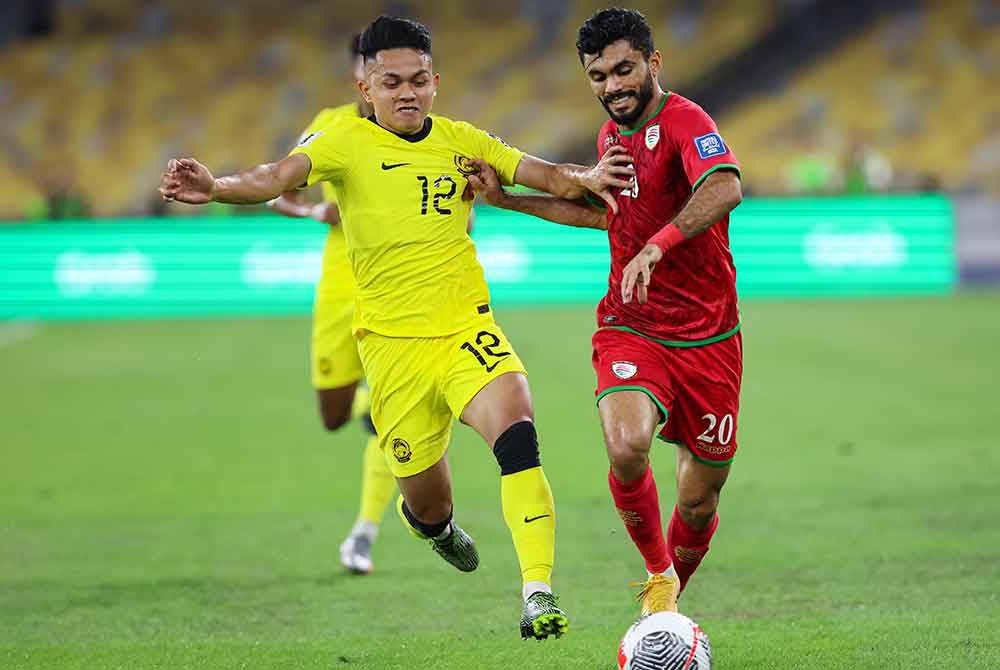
(305, 140)
(498, 139)
(710, 145)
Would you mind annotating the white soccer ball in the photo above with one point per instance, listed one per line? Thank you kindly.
(665, 641)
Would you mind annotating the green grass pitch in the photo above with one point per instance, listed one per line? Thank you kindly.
(168, 500)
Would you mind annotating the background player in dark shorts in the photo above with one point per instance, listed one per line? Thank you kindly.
(667, 352)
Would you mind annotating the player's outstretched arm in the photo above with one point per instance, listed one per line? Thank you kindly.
(572, 182)
(293, 204)
(487, 184)
(718, 195)
(187, 180)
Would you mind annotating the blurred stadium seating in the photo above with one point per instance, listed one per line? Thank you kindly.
(96, 105)
(910, 92)
(118, 87)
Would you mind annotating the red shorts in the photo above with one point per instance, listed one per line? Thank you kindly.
(697, 389)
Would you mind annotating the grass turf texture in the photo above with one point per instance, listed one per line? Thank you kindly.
(169, 501)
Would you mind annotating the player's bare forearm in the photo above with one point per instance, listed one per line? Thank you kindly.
(262, 182)
(291, 204)
(572, 182)
(563, 180)
(718, 195)
(566, 181)
(558, 210)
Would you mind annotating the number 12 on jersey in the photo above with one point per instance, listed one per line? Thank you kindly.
(439, 193)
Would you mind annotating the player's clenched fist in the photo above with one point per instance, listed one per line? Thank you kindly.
(187, 180)
(614, 170)
(638, 272)
(486, 182)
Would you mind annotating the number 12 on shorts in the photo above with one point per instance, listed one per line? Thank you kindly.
(488, 342)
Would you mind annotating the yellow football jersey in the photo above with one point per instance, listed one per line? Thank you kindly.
(336, 281)
(404, 218)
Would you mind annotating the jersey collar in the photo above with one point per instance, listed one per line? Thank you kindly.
(415, 137)
(652, 116)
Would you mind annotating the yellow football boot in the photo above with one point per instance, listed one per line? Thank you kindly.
(659, 594)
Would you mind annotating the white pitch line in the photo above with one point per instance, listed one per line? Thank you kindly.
(14, 332)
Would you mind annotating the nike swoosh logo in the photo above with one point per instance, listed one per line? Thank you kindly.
(388, 166)
(491, 368)
(535, 518)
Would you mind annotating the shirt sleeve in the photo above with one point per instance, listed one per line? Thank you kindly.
(701, 147)
(495, 151)
(318, 122)
(327, 149)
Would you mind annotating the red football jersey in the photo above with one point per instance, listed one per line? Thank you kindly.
(692, 295)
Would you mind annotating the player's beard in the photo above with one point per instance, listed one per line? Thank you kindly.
(643, 96)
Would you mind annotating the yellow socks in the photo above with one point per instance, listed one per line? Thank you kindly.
(377, 483)
(530, 514)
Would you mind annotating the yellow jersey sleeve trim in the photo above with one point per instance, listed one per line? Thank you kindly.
(507, 167)
(327, 150)
(326, 117)
(314, 174)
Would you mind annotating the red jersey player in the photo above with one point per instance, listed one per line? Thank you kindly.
(667, 351)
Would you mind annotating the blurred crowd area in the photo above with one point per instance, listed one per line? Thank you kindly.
(96, 95)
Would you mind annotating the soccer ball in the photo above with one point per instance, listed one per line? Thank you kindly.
(665, 641)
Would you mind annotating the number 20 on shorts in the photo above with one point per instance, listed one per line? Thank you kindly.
(720, 429)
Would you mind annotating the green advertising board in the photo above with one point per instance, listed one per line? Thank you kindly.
(269, 265)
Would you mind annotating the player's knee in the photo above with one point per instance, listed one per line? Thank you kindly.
(516, 449)
(627, 446)
(698, 510)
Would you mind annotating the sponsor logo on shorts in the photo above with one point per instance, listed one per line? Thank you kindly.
(718, 449)
(324, 366)
(652, 136)
(624, 369)
(710, 145)
(401, 450)
(610, 318)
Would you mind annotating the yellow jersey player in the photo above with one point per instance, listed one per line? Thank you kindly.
(426, 335)
(336, 367)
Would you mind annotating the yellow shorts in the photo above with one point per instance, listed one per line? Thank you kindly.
(335, 360)
(420, 385)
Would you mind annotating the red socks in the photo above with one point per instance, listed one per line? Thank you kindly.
(688, 546)
(638, 505)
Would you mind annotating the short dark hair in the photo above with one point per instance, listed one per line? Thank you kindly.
(391, 32)
(610, 25)
(355, 46)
